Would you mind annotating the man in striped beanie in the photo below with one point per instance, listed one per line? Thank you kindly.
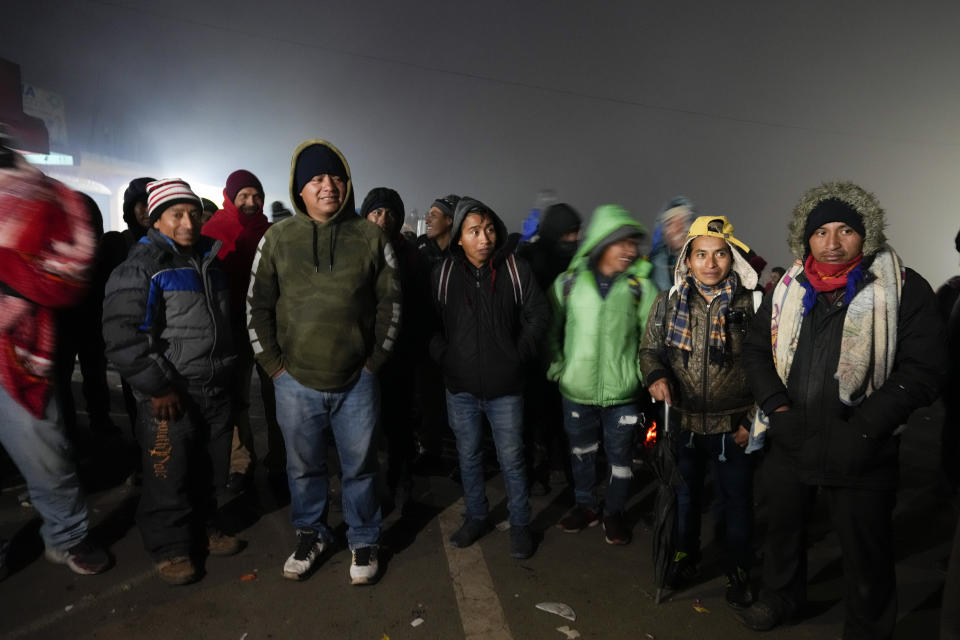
(167, 329)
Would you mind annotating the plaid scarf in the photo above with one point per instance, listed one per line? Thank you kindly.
(680, 334)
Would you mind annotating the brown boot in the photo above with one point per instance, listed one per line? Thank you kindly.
(221, 544)
(178, 570)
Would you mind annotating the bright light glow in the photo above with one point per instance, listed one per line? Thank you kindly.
(50, 159)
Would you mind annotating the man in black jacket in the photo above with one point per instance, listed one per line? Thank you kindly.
(854, 347)
(491, 314)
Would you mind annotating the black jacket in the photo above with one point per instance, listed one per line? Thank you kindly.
(485, 338)
(826, 441)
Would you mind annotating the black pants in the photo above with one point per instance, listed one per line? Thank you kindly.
(398, 417)
(184, 462)
(863, 520)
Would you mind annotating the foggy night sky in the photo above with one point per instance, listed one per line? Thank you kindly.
(741, 106)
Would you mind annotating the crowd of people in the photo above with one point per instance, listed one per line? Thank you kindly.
(559, 345)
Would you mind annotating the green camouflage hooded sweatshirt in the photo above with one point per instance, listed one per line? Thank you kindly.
(594, 341)
(324, 300)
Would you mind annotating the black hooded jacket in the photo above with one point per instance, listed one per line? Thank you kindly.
(824, 440)
(485, 337)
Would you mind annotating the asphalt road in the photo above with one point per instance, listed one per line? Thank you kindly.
(427, 588)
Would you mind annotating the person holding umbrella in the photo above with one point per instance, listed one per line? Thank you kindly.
(690, 360)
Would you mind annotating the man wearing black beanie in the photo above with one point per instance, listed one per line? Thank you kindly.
(435, 243)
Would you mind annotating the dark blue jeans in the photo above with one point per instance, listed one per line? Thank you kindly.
(304, 415)
(584, 424)
(733, 476)
(505, 415)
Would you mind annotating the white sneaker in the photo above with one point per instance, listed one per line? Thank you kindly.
(364, 567)
(309, 548)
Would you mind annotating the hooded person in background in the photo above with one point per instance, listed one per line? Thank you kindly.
(115, 247)
(435, 243)
(46, 250)
(549, 255)
(398, 397)
(668, 239)
(948, 297)
(855, 346)
(209, 209)
(600, 305)
(239, 227)
(80, 336)
(492, 315)
(324, 312)
(167, 330)
(691, 359)
(279, 212)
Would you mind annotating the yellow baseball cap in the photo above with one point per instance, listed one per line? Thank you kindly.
(715, 227)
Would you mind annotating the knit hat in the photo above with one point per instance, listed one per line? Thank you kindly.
(135, 192)
(387, 198)
(833, 210)
(162, 194)
(558, 220)
(241, 179)
(315, 160)
(447, 204)
(209, 205)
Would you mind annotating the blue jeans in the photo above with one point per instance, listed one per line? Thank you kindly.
(734, 481)
(40, 449)
(584, 424)
(304, 415)
(505, 415)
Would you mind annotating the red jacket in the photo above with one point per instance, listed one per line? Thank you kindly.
(46, 250)
(240, 235)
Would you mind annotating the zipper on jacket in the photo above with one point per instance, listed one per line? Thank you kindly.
(706, 363)
(207, 292)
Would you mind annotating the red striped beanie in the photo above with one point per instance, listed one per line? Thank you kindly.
(166, 192)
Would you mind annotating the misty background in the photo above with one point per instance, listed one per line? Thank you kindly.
(741, 106)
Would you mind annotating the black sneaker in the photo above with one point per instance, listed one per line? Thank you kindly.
(762, 615)
(615, 531)
(309, 547)
(682, 570)
(521, 542)
(84, 558)
(472, 530)
(364, 566)
(738, 589)
(578, 519)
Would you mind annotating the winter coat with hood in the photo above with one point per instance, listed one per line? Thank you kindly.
(324, 301)
(166, 317)
(594, 340)
(485, 337)
(708, 397)
(547, 255)
(823, 439)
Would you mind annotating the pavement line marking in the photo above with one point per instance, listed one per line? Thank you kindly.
(480, 612)
(84, 603)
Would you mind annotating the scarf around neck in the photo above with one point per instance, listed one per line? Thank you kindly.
(823, 277)
(680, 334)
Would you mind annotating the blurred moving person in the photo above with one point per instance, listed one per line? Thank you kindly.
(673, 221)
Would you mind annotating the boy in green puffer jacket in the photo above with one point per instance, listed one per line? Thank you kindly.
(601, 305)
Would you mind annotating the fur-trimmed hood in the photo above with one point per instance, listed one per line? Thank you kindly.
(865, 203)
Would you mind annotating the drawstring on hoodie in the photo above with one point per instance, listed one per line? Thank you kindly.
(723, 448)
(690, 442)
(316, 255)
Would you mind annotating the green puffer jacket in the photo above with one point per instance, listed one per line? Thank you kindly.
(593, 341)
(324, 300)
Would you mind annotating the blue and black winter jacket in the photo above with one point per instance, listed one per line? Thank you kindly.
(166, 317)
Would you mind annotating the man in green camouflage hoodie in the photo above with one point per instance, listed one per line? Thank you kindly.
(323, 312)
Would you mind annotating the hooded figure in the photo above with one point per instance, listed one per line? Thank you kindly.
(491, 316)
(600, 305)
(550, 254)
(691, 359)
(855, 347)
(323, 313)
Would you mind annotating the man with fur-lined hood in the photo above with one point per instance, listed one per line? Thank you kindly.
(323, 313)
(691, 359)
(848, 344)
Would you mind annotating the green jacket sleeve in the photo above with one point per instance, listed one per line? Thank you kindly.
(387, 286)
(262, 308)
(648, 295)
(558, 318)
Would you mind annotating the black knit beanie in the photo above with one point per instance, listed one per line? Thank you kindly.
(833, 210)
(558, 220)
(387, 198)
(315, 160)
(135, 192)
(447, 204)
